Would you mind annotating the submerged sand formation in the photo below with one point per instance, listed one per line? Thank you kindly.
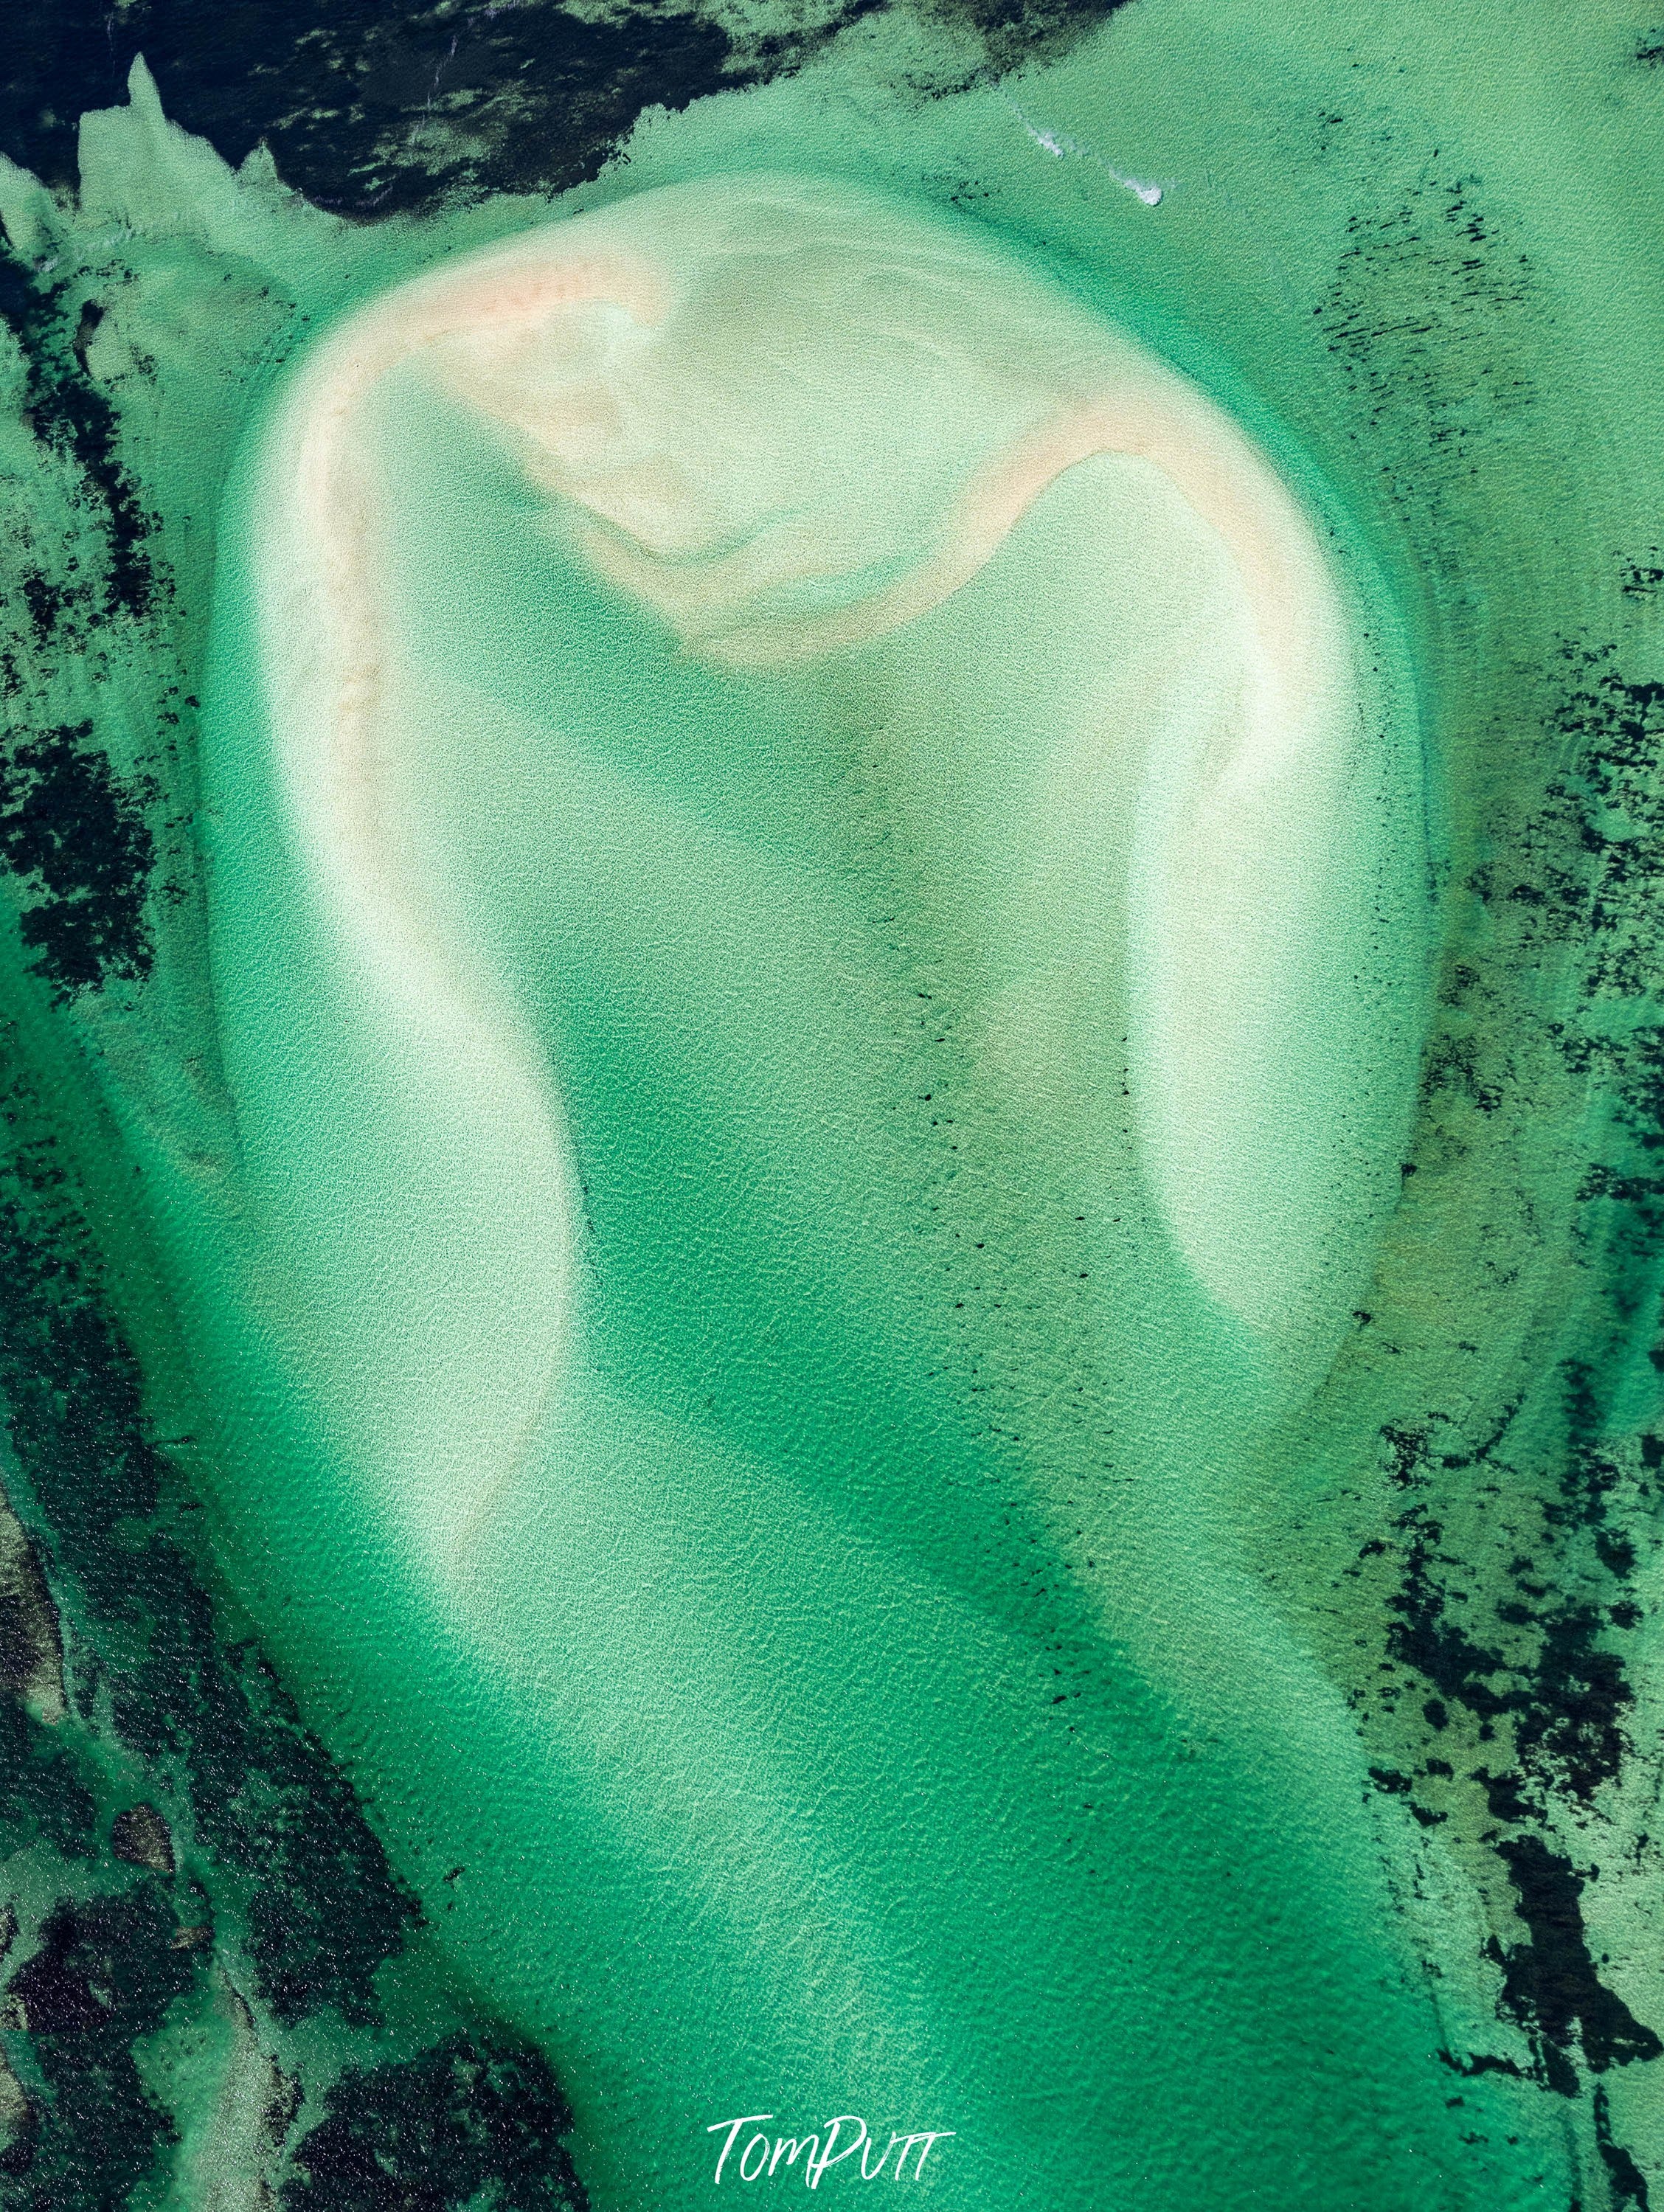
(731, 1811)
(789, 419)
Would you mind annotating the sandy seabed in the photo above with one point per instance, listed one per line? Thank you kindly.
(750, 398)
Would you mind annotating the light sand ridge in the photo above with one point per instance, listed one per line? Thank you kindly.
(792, 420)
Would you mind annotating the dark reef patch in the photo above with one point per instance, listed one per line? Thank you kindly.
(261, 1890)
(45, 1795)
(432, 2134)
(1624, 2180)
(1548, 1984)
(371, 111)
(1518, 1487)
(1512, 1557)
(278, 1835)
(75, 834)
(103, 1973)
(256, 1856)
(72, 417)
(31, 1642)
(1543, 1686)
(79, 839)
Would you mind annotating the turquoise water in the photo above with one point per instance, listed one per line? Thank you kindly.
(829, 1609)
(839, 1690)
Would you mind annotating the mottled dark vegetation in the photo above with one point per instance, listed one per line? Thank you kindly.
(247, 1866)
(1546, 1692)
(1549, 1982)
(1546, 1668)
(1015, 32)
(141, 1836)
(1563, 1696)
(371, 111)
(72, 417)
(76, 837)
(1518, 1500)
(102, 1974)
(1625, 2183)
(31, 1650)
(1416, 287)
(75, 834)
(251, 1854)
(158, 1679)
(1547, 1678)
(435, 2134)
(44, 1792)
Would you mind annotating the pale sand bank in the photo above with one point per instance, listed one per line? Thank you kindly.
(790, 419)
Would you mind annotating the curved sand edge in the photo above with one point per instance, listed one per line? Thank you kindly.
(437, 1013)
(1248, 826)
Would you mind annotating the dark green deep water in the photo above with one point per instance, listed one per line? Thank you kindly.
(926, 1659)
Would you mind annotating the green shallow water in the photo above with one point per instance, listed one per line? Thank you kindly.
(846, 1690)
(883, 1638)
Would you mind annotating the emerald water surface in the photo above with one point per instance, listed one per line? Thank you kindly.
(863, 1555)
